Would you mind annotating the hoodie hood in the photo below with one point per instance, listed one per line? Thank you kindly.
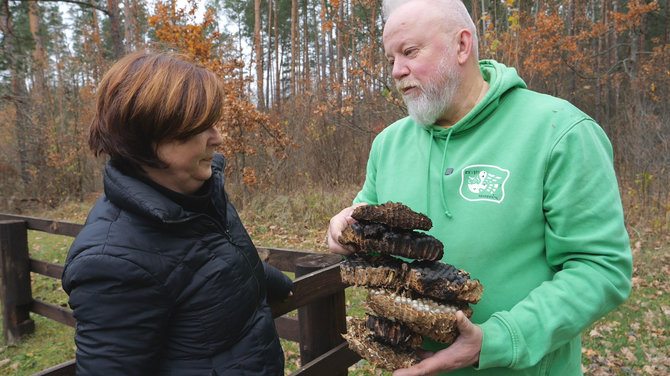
(501, 79)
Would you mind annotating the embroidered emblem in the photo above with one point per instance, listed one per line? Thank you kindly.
(483, 183)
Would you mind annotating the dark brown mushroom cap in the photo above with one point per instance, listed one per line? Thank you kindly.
(393, 215)
(392, 333)
(433, 279)
(361, 341)
(383, 239)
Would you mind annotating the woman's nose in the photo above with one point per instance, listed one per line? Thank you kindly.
(215, 136)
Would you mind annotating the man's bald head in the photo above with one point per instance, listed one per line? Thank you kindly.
(453, 14)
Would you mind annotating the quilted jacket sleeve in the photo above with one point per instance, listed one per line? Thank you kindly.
(278, 284)
(121, 315)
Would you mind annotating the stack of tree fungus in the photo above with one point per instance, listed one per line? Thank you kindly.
(408, 299)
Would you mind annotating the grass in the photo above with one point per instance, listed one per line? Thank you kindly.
(631, 340)
(52, 343)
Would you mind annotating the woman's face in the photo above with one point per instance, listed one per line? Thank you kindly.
(189, 162)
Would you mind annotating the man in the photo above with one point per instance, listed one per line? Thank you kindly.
(520, 188)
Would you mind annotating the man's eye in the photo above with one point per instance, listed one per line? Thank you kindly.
(410, 51)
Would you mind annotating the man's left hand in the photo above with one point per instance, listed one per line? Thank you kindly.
(462, 353)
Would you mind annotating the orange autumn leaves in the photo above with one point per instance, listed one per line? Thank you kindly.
(246, 131)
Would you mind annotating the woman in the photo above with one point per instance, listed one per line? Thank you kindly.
(164, 279)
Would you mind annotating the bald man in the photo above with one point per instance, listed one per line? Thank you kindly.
(521, 190)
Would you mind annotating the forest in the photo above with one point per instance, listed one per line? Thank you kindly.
(308, 87)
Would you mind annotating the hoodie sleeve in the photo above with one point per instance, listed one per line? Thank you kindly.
(586, 243)
(121, 315)
(368, 193)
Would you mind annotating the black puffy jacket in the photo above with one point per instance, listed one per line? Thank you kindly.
(157, 290)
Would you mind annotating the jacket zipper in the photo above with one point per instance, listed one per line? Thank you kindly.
(226, 233)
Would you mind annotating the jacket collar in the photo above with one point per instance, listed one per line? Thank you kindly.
(130, 193)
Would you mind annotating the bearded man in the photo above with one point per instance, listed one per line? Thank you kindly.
(520, 187)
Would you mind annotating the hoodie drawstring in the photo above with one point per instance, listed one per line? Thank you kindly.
(445, 207)
(443, 194)
(430, 150)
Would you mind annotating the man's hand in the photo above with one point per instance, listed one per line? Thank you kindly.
(462, 353)
(337, 224)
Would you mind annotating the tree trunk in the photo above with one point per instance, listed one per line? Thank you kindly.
(305, 50)
(317, 46)
(323, 55)
(129, 24)
(259, 54)
(294, 44)
(268, 85)
(41, 89)
(97, 44)
(19, 97)
(597, 50)
(475, 18)
(41, 97)
(330, 57)
(571, 33)
(115, 26)
(38, 52)
(339, 59)
(278, 99)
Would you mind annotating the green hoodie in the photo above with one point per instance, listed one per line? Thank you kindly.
(522, 193)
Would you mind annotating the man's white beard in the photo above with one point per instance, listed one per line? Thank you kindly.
(435, 97)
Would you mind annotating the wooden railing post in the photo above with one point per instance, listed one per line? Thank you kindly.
(323, 321)
(15, 291)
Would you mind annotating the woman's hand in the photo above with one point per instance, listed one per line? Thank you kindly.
(462, 353)
(337, 224)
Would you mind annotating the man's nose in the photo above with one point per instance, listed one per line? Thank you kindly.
(399, 70)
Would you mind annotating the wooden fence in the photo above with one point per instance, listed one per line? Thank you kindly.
(318, 295)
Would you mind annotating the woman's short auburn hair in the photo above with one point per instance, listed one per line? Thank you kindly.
(148, 98)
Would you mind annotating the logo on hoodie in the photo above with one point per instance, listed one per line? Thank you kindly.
(483, 183)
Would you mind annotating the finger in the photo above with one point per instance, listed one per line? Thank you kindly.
(427, 367)
(346, 213)
(423, 354)
(462, 322)
(334, 245)
(465, 326)
(470, 341)
(337, 224)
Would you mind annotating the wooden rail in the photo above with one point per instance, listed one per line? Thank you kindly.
(318, 295)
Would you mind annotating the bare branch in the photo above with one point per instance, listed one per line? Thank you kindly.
(80, 3)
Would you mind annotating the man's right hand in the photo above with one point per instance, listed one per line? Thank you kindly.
(337, 224)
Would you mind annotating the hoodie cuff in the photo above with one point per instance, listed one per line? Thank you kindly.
(498, 345)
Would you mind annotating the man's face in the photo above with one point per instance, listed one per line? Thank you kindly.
(424, 65)
(434, 97)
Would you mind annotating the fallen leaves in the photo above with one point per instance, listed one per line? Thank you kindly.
(633, 339)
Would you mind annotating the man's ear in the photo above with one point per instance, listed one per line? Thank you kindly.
(464, 40)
